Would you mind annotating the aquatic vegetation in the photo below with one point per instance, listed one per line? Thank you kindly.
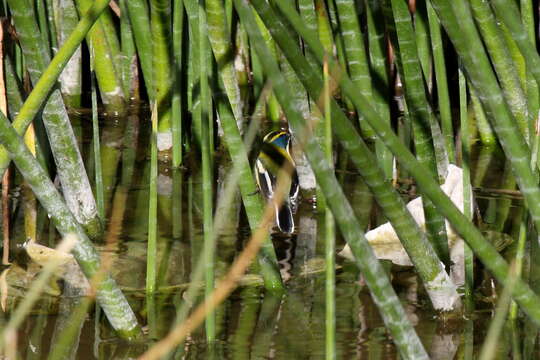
(255, 113)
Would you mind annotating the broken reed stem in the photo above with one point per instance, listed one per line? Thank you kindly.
(226, 285)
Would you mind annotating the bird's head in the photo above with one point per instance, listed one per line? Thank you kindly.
(278, 138)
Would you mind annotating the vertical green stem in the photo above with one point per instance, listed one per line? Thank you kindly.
(96, 142)
(140, 24)
(106, 46)
(129, 55)
(194, 88)
(377, 51)
(532, 90)
(465, 164)
(487, 135)
(355, 53)
(177, 126)
(219, 36)
(330, 246)
(209, 242)
(441, 79)
(71, 78)
(307, 11)
(151, 253)
(160, 26)
(43, 24)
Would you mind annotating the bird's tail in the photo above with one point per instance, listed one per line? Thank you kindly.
(284, 218)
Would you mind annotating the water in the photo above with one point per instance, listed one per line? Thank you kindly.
(250, 324)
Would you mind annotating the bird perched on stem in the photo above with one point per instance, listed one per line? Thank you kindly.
(275, 155)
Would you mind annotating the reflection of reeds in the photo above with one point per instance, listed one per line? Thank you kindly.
(226, 284)
(494, 332)
(18, 316)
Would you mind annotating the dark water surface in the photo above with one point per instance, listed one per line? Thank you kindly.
(252, 324)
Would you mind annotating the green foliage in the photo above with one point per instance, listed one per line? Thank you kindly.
(211, 68)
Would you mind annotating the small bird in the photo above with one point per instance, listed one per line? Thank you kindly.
(275, 155)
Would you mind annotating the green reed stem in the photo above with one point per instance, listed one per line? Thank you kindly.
(377, 57)
(326, 37)
(49, 76)
(104, 40)
(502, 61)
(482, 248)
(355, 54)
(140, 24)
(75, 183)
(129, 53)
(273, 108)
(518, 262)
(194, 88)
(241, 338)
(109, 295)
(324, 27)
(207, 178)
(40, 9)
(441, 80)
(422, 121)
(160, 27)
(404, 335)
(307, 11)
(177, 204)
(503, 206)
(151, 252)
(71, 77)
(508, 13)
(429, 267)
(329, 231)
(532, 87)
(489, 347)
(61, 349)
(487, 135)
(422, 39)
(13, 91)
(467, 192)
(220, 40)
(523, 226)
(96, 141)
(176, 102)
